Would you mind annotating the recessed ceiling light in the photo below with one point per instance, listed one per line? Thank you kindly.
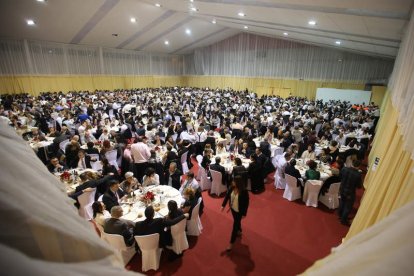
(214, 21)
(312, 22)
(166, 42)
(188, 31)
(158, 5)
(285, 34)
(191, 1)
(338, 42)
(194, 9)
(339, 60)
(40, 0)
(245, 27)
(241, 14)
(133, 19)
(30, 22)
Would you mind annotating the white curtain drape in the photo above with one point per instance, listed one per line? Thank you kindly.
(258, 56)
(402, 87)
(40, 226)
(28, 57)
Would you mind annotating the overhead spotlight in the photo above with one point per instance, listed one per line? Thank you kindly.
(40, 0)
(133, 19)
(241, 14)
(158, 5)
(312, 22)
(339, 60)
(30, 22)
(245, 27)
(188, 31)
(338, 42)
(285, 34)
(191, 1)
(194, 9)
(214, 21)
(166, 42)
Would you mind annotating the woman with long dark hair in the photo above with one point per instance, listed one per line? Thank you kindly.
(238, 198)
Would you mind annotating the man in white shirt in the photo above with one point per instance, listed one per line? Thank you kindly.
(140, 153)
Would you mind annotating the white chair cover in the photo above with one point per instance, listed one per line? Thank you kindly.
(184, 162)
(199, 159)
(194, 226)
(85, 201)
(112, 158)
(311, 192)
(205, 183)
(118, 243)
(179, 237)
(62, 145)
(280, 181)
(331, 198)
(216, 187)
(292, 192)
(150, 251)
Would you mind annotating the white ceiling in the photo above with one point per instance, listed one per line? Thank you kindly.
(373, 27)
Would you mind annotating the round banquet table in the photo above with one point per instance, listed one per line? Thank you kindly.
(228, 164)
(322, 168)
(134, 208)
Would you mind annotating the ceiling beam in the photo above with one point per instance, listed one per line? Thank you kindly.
(169, 30)
(246, 22)
(103, 10)
(147, 27)
(288, 6)
(200, 39)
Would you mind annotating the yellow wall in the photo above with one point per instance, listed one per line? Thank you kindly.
(378, 93)
(282, 87)
(263, 86)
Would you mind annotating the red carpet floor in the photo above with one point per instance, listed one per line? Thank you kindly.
(279, 238)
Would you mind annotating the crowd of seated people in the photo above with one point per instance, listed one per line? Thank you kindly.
(151, 129)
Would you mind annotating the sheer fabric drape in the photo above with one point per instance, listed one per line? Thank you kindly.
(40, 226)
(402, 87)
(28, 57)
(252, 55)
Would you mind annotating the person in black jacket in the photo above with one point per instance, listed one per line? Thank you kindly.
(112, 197)
(115, 225)
(255, 175)
(238, 198)
(219, 168)
(350, 181)
(172, 176)
(151, 226)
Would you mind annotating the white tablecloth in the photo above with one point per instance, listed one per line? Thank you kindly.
(228, 164)
(134, 208)
(322, 168)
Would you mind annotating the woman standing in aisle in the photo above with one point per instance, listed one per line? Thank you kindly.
(238, 198)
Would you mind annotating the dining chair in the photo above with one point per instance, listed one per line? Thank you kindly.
(217, 187)
(194, 226)
(180, 242)
(292, 191)
(331, 198)
(150, 251)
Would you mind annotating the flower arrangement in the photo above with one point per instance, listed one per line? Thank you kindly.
(65, 176)
(231, 157)
(148, 197)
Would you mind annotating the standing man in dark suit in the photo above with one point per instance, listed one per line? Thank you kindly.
(113, 195)
(219, 168)
(151, 226)
(172, 176)
(115, 225)
(350, 181)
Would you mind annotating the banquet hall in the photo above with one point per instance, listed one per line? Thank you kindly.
(163, 137)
